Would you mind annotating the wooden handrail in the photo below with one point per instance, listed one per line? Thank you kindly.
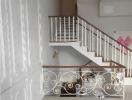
(62, 16)
(80, 66)
(113, 62)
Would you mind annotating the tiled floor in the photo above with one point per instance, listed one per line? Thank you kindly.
(128, 96)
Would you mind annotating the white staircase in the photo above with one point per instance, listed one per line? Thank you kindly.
(83, 51)
(90, 41)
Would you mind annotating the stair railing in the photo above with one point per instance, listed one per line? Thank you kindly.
(77, 29)
(63, 28)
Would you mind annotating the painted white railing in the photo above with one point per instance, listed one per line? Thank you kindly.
(73, 29)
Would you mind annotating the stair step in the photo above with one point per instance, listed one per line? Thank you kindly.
(105, 64)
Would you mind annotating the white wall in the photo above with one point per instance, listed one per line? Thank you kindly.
(20, 80)
(89, 9)
(115, 7)
(69, 56)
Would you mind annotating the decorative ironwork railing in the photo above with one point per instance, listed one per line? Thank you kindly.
(83, 81)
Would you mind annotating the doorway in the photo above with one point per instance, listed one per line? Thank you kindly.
(68, 7)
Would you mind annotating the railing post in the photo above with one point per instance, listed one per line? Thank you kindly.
(69, 24)
(123, 62)
(97, 38)
(82, 33)
(60, 28)
(64, 29)
(92, 37)
(56, 29)
(85, 34)
(51, 29)
(120, 54)
(73, 28)
(128, 64)
(112, 51)
(108, 48)
(105, 49)
(78, 29)
(115, 51)
(100, 43)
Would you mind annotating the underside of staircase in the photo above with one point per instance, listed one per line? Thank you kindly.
(83, 50)
(90, 41)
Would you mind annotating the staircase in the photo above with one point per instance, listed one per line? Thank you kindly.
(90, 41)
